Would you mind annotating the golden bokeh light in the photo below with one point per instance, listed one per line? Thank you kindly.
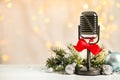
(9, 5)
(4, 57)
(108, 28)
(85, 6)
(70, 25)
(41, 11)
(98, 8)
(46, 20)
(104, 2)
(118, 5)
(34, 17)
(36, 29)
(48, 44)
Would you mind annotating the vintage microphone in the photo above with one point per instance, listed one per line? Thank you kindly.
(88, 29)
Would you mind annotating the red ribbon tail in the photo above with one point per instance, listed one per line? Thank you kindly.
(77, 48)
(95, 49)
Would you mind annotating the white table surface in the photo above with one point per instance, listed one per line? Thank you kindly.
(36, 72)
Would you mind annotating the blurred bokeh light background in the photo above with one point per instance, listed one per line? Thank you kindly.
(28, 28)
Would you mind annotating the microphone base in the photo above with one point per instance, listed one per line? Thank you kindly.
(85, 72)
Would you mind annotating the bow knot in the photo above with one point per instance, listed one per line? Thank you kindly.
(82, 44)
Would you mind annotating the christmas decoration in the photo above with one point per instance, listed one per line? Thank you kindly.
(82, 44)
(50, 70)
(107, 69)
(113, 59)
(70, 68)
(65, 61)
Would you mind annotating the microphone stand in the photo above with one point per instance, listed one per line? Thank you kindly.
(87, 71)
(88, 60)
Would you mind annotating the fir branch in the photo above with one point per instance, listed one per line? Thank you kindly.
(58, 51)
(72, 49)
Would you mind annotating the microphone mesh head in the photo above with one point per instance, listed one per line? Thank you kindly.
(88, 22)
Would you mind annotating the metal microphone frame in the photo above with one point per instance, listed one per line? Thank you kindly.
(88, 71)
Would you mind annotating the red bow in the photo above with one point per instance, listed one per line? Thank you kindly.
(82, 44)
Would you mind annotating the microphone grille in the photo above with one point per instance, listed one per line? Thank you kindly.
(88, 22)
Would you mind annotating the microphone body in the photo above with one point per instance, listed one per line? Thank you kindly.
(88, 29)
